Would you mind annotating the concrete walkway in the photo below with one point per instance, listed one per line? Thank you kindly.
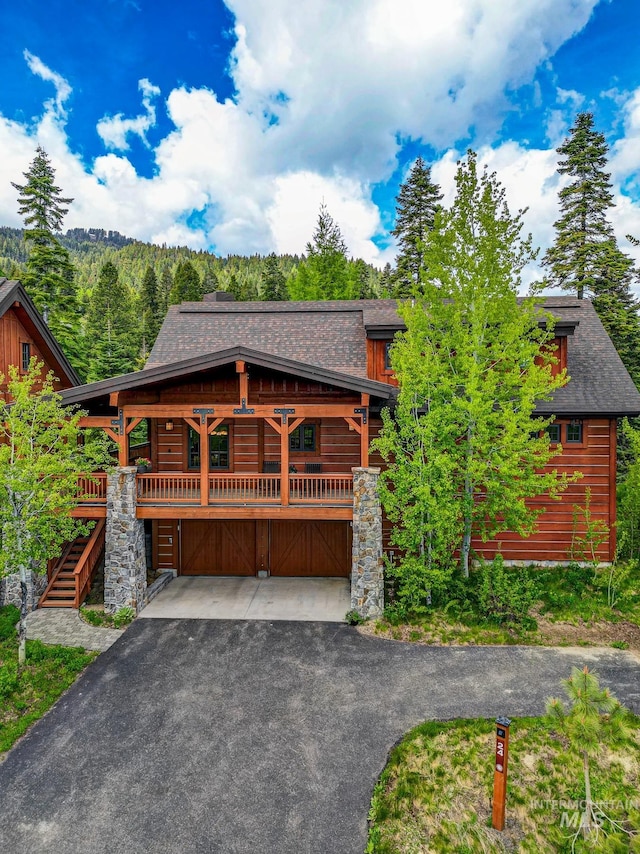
(252, 737)
(64, 626)
(232, 598)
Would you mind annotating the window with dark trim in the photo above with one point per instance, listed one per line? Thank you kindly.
(303, 439)
(553, 431)
(574, 431)
(218, 448)
(387, 355)
(26, 355)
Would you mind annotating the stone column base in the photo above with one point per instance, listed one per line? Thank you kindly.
(125, 563)
(367, 568)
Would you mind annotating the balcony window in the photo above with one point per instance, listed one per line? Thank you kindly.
(218, 448)
(303, 439)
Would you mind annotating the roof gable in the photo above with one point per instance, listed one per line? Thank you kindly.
(188, 367)
(14, 296)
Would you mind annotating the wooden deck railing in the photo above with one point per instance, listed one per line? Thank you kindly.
(88, 561)
(92, 490)
(321, 488)
(244, 488)
(168, 488)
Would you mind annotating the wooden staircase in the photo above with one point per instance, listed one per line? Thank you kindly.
(71, 577)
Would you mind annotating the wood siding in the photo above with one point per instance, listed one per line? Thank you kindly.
(595, 458)
(376, 369)
(12, 335)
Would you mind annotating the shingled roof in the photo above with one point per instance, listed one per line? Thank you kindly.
(332, 335)
(13, 295)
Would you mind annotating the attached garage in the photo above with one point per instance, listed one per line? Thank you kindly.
(244, 547)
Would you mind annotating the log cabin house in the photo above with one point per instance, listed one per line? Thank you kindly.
(260, 417)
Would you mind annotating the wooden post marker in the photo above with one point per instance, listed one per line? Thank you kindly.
(500, 772)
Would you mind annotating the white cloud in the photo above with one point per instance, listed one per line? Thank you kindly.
(114, 130)
(62, 87)
(326, 92)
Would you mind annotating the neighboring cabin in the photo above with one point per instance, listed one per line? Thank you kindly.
(24, 334)
(285, 398)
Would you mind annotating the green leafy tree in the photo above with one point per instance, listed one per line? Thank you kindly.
(111, 328)
(595, 718)
(151, 314)
(273, 282)
(40, 463)
(325, 272)
(187, 286)
(416, 205)
(472, 366)
(49, 275)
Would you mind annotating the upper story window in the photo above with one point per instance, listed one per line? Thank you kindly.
(25, 355)
(218, 448)
(387, 355)
(553, 431)
(574, 431)
(303, 439)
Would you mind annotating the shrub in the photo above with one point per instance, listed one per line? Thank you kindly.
(123, 617)
(505, 596)
(9, 616)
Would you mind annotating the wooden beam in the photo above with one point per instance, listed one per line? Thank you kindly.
(113, 398)
(294, 424)
(133, 424)
(123, 450)
(190, 511)
(194, 424)
(355, 425)
(364, 399)
(284, 466)
(214, 425)
(204, 464)
(364, 442)
(326, 410)
(111, 434)
(276, 426)
(95, 421)
(241, 368)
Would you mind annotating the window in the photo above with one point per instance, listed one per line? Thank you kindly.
(26, 356)
(553, 431)
(387, 355)
(303, 439)
(218, 448)
(574, 431)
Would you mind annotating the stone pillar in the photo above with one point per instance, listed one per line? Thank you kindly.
(11, 594)
(367, 567)
(125, 565)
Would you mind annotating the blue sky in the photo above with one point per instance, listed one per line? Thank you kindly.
(225, 125)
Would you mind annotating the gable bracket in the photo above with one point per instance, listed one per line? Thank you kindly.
(284, 412)
(361, 410)
(242, 410)
(202, 412)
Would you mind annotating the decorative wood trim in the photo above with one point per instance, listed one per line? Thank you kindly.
(133, 424)
(192, 423)
(613, 439)
(146, 511)
(293, 424)
(214, 424)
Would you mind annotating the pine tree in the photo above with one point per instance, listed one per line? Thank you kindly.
(585, 255)
(386, 281)
(110, 332)
(49, 276)
(582, 232)
(416, 206)
(164, 289)
(187, 286)
(273, 282)
(324, 274)
(150, 311)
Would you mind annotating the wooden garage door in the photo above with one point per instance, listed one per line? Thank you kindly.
(310, 548)
(218, 548)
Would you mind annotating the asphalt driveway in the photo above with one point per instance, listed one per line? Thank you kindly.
(215, 736)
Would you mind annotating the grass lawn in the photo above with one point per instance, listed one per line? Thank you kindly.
(48, 672)
(435, 793)
(571, 608)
